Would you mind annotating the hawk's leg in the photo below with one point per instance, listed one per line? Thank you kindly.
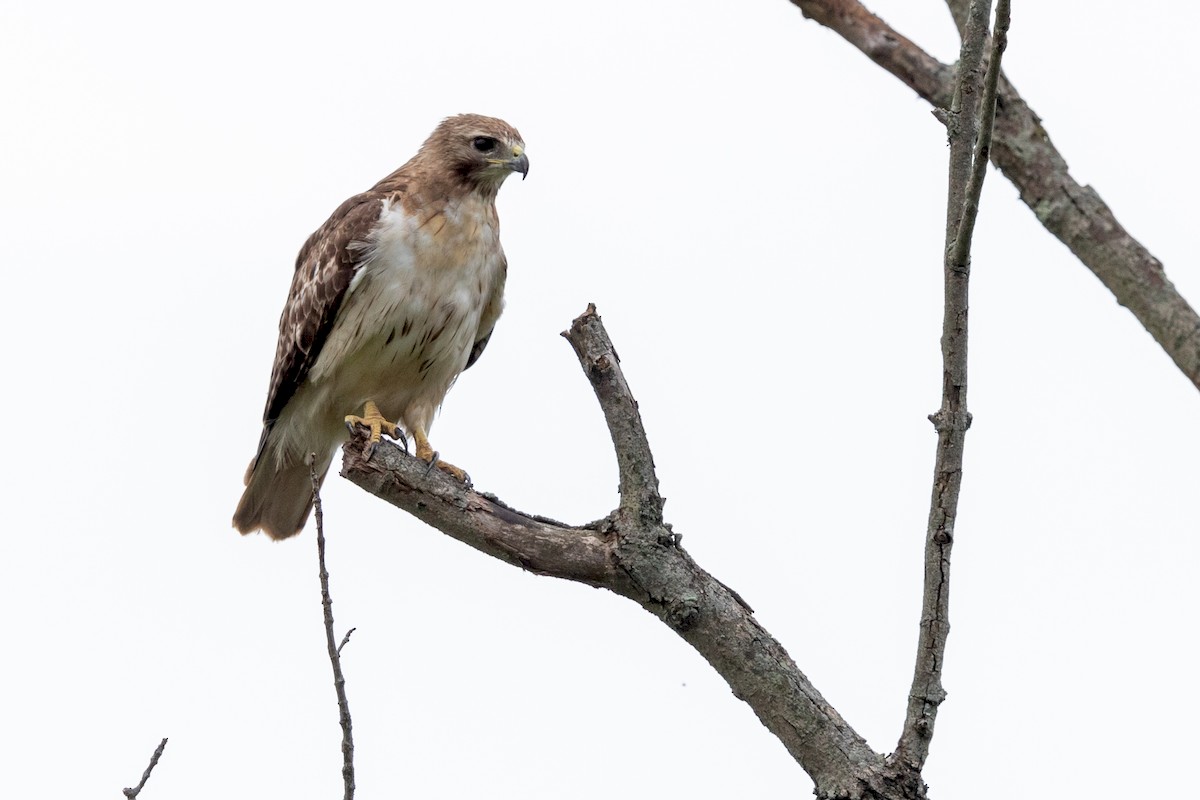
(374, 421)
(426, 453)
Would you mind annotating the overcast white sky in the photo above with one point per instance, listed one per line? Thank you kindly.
(757, 210)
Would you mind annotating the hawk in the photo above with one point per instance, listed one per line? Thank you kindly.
(393, 297)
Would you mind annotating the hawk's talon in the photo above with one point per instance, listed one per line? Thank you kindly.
(458, 473)
(373, 421)
(430, 456)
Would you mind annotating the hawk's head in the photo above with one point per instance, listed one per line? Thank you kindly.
(479, 151)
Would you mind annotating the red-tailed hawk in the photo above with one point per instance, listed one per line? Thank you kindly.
(392, 298)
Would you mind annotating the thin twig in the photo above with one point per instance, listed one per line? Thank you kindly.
(983, 146)
(963, 119)
(131, 793)
(345, 639)
(969, 127)
(339, 681)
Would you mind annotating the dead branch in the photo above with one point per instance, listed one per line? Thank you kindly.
(335, 650)
(1022, 150)
(132, 793)
(970, 132)
(639, 483)
(631, 552)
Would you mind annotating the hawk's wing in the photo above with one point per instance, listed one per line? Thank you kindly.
(491, 313)
(324, 269)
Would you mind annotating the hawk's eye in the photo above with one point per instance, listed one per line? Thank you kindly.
(484, 144)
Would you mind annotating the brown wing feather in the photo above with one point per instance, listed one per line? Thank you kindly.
(477, 350)
(324, 269)
(491, 312)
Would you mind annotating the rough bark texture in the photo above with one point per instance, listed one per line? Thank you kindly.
(1024, 153)
(633, 553)
(964, 129)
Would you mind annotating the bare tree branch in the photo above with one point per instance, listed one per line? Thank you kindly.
(639, 484)
(345, 639)
(970, 134)
(983, 145)
(482, 521)
(335, 651)
(634, 554)
(132, 793)
(1024, 153)
(963, 120)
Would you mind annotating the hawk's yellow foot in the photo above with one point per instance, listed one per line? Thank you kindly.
(426, 453)
(375, 422)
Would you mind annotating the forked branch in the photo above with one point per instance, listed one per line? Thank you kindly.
(969, 126)
(1022, 150)
(631, 552)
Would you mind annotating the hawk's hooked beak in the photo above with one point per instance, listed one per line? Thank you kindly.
(519, 162)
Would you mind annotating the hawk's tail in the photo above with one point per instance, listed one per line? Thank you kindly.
(277, 500)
